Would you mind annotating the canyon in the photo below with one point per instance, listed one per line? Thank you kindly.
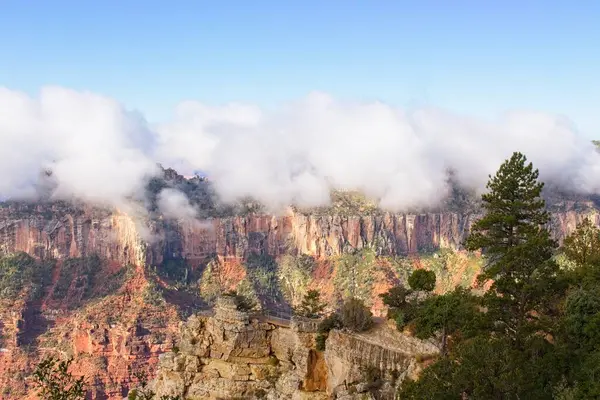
(125, 293)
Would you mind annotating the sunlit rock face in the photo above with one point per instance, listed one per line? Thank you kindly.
(114, 335)
(236, 355)
(61, 231)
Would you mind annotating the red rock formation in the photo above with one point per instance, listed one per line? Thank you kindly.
(60, 233)
(107, 350)
(109, 339)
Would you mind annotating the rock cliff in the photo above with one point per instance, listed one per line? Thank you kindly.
(60, 231)
(235, 355)
(119, 315)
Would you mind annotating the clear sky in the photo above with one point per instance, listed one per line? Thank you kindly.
(476, 57)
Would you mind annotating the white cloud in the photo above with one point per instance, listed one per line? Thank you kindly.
(96, 150)
(174, 204)
(100, 152)
(399, 156)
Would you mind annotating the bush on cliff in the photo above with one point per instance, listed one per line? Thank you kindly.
(333, 321)
(356, 316)
(320, 341)
(353, 315)
(242, 303)
(399, 309)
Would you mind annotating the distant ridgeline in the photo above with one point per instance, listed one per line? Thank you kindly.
(460, 199)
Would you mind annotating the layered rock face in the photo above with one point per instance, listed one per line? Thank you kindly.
(108, 340)
(61, 232)
(109, 351)
(324, 236)
(378, 359)
(320, 236)
(234, 355)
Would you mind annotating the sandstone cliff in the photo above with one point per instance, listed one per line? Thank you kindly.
(58, 231)
(80, 310)
(234, 355)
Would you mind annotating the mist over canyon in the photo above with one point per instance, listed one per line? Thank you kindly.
(114, 231)
(64, 144)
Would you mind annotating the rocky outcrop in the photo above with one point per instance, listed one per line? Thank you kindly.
(235, 355)
(379, 359)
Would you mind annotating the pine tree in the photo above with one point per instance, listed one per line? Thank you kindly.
(311, 306)
(518, 249)
(514, 212)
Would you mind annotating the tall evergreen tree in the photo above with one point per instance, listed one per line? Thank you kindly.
(518, 249)
(514, 359)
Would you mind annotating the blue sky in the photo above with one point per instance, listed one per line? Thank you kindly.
(475, 57)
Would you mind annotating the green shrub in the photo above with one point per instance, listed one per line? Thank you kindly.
(355, 316)
(422, 280)
(244, 303)
(333, 321)
(395, 297)
(400, 320)
(320, 341)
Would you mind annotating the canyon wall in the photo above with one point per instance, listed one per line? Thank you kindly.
(113, 333)
(59, 232)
